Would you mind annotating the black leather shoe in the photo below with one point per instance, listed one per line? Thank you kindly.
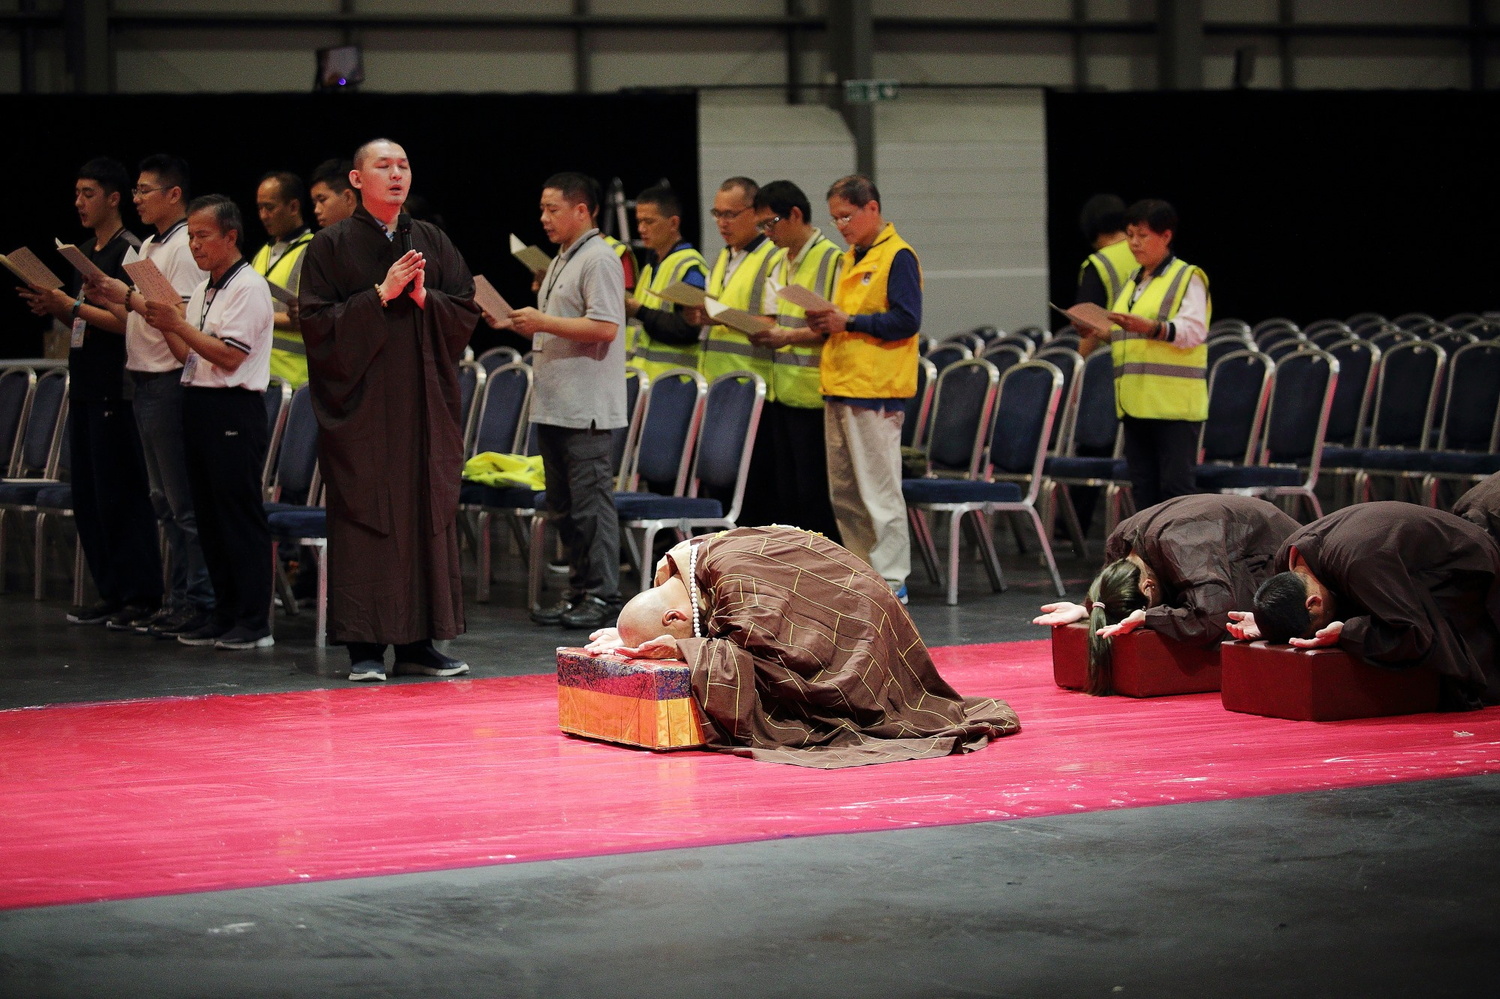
(553, 614)
(591, 612)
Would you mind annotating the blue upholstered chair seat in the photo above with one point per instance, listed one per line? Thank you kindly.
(959, 491)
(1079, 468)
(22, 493)
(1342, 457)
(1247, 476)
(1459, 462)
(56, 497)
(501, 497)
(305, 522)
(1394, 460)
(654, 506)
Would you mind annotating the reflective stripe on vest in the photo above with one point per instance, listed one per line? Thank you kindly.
(652, 356)
(1115, 263)
(795, 369)
(286, 341)
(857, 365)
(725, 349)
(1155, 380)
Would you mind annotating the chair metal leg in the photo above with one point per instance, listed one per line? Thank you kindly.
(482, 570)
(321, 639)
(986, 540)
(955, 536)
(1070, 521)
(922, 529)
(283, 585)
(536, 562)
(39, 561)
(1047, 550)
(3, 515)
(77, 568)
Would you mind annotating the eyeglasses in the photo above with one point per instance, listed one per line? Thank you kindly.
(141, 192)
(765, 225)
(725, 216)
(842, 220)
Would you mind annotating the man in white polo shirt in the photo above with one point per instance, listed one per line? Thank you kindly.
(152, 378)
(224, 346)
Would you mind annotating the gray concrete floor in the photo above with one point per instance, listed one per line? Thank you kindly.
(1388, 891)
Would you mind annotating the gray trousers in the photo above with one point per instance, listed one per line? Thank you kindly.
(580, 500)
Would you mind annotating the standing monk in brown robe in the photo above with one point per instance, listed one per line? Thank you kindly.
(385, 330)
(1178, 568)
(1395, 584)
(800, 653)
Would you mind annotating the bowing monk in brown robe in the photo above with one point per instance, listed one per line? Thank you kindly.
(800, 653)
(1481, 505)
(385, 330)
(1178, 568)
(1397, 585)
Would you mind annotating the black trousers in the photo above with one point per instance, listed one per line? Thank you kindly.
(225, 437)
(580, 497)
(112, 502)
(789, 472)
(1162, 456)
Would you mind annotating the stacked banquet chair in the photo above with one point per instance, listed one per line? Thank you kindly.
(991, 462)
(39, 456)
(294, 506)
(500, 426)
(1239, 393)
(1089, 451)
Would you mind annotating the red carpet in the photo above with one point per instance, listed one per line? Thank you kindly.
(118, 800)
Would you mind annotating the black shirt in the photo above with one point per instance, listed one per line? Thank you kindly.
(96, 371)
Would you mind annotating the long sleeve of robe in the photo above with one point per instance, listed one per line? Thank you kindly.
(384, 383)
(1211, 553)
(1414, 587)
(812, 660)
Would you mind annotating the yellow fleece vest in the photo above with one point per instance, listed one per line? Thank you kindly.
(857, 365)
(1153, 379)
(288, 355)
(726, 349)
(1115, 263)
(795, 375)
(651, 356)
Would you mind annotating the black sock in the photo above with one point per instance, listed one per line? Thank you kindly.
(414, 652)
(362, 651)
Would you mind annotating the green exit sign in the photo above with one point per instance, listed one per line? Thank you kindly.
(870, 91)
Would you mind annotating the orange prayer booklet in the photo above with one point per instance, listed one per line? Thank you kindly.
(25, 265)
(152, 283)
(489, 299)
(533, 257)
(1087, 317)
(737, 319)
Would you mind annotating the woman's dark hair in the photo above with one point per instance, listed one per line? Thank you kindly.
(1115, 592)
(1155, 214)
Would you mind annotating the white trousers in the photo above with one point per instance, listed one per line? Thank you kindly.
(864, 484)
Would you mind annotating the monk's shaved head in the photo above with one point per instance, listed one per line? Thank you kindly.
(371, 148)
(661, 610)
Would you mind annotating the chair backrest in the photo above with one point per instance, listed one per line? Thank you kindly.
(1065, 339)
(637, 387)
(670, 420)
(1459, 320)
(1038, 335)
(1330, 335)
(731, 416)
(960, 413)
(973, 341)
(62, 465)
(1406, 394)
(1281, 348)
(1272, 335)
(1453, 340)
(1354, 398)
(471, 378)
(919, 406)
(1412, 320)
(1316, 327)
(1004, 355)
(1239, 389)
(1237, 326)
(986, 333)
(1390, 336)
(497, 357)
(1025, 345)
(278, 399)
(44, 422)
(503, 406)
(15, 397)
(1220, 347)
(1297, 421)
(1025, 412)
(297, 463)
(1484, 329)
(1096, 426)
(1274, 323)
(1471, 414)
(944, 354)
(1365, 318)
(1071, 366)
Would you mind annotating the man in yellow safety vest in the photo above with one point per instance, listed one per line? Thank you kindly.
(660, 336)
(279, 200)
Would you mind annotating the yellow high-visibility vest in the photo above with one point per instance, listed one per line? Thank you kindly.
(726, 349)
(1115, 263)
(653, 356)
(795, 370)
(1155, 380)
(288, 355)
(858, 365)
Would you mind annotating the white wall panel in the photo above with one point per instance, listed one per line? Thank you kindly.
(965, 184)
(475, 61)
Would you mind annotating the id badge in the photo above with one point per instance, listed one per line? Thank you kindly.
(188, 367)
(80, 327)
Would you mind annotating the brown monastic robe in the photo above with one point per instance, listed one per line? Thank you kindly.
(1414, 587)
(1210, 552)
(810, 659)
(1481, 505)
(385, 388)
